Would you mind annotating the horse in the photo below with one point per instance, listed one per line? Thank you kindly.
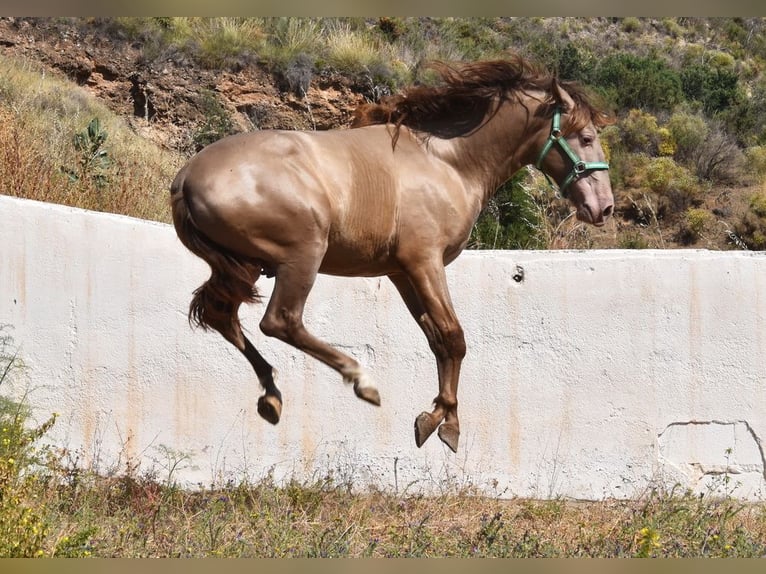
(396, 195)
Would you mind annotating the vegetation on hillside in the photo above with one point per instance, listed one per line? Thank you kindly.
(63, 146)
(689, 95)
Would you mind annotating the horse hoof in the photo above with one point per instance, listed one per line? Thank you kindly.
(369, 394)
(270, 408)
(449, 435)
(424, 426)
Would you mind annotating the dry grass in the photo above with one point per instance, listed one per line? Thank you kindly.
(52, 506)
(130, 516)
(40, 115)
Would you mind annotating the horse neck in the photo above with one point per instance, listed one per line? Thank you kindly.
(505, 143)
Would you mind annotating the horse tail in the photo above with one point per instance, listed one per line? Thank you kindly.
(232, 278)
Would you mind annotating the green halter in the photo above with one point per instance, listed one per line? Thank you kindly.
(579, 167)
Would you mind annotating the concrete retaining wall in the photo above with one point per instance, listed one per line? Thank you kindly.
(601, 374)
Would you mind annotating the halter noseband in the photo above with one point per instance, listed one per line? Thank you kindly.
(579, 167)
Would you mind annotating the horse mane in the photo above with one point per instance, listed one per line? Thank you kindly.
(469, 94)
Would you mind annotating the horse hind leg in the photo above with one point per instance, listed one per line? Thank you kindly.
(215, 305)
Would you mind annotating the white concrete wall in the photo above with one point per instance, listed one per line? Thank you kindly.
(601, 374)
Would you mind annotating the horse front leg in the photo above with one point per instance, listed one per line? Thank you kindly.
(427, 297)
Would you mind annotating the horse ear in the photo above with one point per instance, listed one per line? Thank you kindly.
(561, 96)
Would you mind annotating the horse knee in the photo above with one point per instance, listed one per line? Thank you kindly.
(455, 343)
(450, 343)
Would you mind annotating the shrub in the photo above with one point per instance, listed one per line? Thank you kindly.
(716, 88)
(672, 27)
(751, 228)
(640, 133)
(688, 131)
(93, 158)
(676, 187)
(217, 123)
(755, 158)
(22, 525)
(693, 224)
(638, 82)
(758, 204)
(512, 219)
(666, 145)
(473, 38)
(631, 25)
(719, 158)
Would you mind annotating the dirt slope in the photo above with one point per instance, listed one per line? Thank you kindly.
(164, 99)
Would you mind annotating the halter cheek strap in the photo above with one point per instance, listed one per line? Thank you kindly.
(579, 167)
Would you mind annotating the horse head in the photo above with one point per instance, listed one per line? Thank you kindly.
(572, 156)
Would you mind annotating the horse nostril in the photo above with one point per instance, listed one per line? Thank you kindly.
(608, 211)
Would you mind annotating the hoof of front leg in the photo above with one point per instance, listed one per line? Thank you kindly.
(369, 394)
(270, 408)
(424, 427)
(449, 435)
(364, 387)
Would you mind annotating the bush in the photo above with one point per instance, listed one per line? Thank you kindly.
(719, 158)
(22, 525)
(640, 133)
(511, 220)
(673, 183)
(94, 160)
(666, 145)
(755, 158)
(693, 224)
(638, 82)
(688, 131)
(716, 88)
(217, 123)
(751, 228)
(631, 25)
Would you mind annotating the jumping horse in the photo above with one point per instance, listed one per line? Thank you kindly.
(397, 195)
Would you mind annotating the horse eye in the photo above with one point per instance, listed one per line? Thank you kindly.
(587, 140)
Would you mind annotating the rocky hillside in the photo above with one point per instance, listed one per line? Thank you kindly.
(168, 99)
(167, 96)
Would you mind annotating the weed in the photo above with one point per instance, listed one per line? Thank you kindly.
(217, 122)
(94, 159)
(647, 542)
(632, 240)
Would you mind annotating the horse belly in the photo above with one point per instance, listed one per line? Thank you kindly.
(362, 238)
